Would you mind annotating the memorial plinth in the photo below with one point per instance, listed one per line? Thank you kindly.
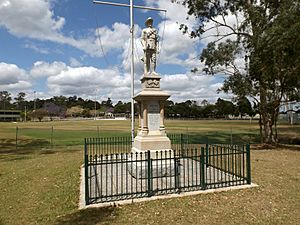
(151, 134)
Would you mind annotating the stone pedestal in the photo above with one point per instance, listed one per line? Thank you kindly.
(151, 133)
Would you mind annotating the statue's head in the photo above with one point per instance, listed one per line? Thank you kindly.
(149, 22)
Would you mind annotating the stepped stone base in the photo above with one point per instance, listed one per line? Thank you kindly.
(161, 155)
(154, 143)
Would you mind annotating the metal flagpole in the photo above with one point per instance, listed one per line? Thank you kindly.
(132, 69)
(126, 5)
(132, 48)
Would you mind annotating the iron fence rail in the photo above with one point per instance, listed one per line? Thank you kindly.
(113, 145)
(122, 175)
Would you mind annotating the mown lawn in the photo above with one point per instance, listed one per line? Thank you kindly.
(41, 185)
(72, 133)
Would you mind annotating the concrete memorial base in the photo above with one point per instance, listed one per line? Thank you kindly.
(161, 167)
(157, 144)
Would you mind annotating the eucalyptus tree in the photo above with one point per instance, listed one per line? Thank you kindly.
(5, 100)
(20, 100)
(256, 44)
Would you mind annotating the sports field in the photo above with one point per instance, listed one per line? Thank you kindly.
(40, 184)
(37, 135)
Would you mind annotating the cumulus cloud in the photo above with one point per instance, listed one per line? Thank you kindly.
(13, 78)
(45, 69)
(175, 44)
(189, 86)
(87, 80)
(30, 18)
(74, 62)
(90, 82)
(115, 37)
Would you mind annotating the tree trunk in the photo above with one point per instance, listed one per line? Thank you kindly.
(267, 121)
(260, 128)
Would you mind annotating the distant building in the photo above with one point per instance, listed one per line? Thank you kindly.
(109, 113)
(10, 115)
(290, 112)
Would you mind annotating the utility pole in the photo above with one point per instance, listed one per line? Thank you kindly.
(34, 104)
(25, 114)
(95, 105)
(132, 48)
(34, 101)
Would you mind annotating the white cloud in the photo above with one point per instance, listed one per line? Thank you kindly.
(30, 18)
(12, 78)
(86, 81)
(189, 86)
(175, 12)
(89, 82)
(115, 37)
(74, 62)
(175, 44)
(36, 48)
(45, 69)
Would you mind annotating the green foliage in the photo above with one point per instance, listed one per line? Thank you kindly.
(224, 108)
(20, 100)
(244, 107)
(223, 55)
(121, 107)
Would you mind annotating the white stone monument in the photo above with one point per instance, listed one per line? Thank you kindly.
(151, 133)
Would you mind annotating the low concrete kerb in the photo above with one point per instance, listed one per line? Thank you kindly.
(82, 204)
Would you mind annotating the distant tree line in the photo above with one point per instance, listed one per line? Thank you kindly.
(221, 109)
(62, 107)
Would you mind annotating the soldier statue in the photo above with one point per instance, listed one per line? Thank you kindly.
(149, 42)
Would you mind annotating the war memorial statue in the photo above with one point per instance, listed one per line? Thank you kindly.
(151, 136)
(149, 40)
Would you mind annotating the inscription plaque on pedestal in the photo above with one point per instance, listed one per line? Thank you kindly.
(153, 116)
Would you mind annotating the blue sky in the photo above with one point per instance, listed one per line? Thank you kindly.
(53, 47)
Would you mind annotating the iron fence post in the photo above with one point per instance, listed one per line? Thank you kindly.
(206, 155)
(176, 167)
(86, 184)
(202, 169)
(248, 161)
(181, 141)
(149, 176)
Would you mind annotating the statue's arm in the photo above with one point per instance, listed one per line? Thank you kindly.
(143, 39)
(157, 43)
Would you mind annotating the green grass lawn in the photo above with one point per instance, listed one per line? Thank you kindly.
(41, 185)
(72, 133)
